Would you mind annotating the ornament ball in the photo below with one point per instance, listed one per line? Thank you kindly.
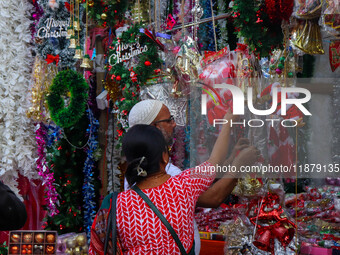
(118, 78)
(103, 16)
(147, 63)
(91, 3)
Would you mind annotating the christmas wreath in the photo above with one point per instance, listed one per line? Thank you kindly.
(137, 50)
(107, 12)
(253, 23)
(73, 82)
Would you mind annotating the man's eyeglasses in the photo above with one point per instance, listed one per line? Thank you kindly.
(170, 120)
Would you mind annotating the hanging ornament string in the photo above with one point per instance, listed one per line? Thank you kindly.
(87, 142)
(213, 22)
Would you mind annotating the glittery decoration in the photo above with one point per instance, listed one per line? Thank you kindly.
(17, 139)
(89, 165)
(36, 15)
(177, 106)
(51, 195)
(42, 77)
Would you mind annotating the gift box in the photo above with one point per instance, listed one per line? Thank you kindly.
(32, 242)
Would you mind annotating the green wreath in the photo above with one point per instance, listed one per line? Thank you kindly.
(108, 12)
(64, 81)
(252, 23)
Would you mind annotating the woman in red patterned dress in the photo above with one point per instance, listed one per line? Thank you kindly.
(140, 231)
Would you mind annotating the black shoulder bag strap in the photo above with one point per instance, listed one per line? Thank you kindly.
(162, 218)
(112, 225)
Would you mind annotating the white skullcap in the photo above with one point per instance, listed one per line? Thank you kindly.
(144, 112)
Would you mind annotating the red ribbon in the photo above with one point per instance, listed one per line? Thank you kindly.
(68, 6)
(153, 38)
(50, 59)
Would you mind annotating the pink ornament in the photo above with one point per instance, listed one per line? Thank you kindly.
(278, 71)
(272, 60)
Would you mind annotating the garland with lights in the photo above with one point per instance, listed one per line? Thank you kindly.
(67, 163)
(130, 80)
(107, 13)
(67, 80)
(253, 23)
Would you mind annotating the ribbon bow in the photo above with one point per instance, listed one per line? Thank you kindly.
(50, 59)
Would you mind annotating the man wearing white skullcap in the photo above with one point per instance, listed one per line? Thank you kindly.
(154, 112)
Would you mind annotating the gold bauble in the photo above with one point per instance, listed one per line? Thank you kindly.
(103, 16)
(91, 3)
(77, 251)
(80, 240)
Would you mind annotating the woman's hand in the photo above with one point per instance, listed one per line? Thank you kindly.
(248, 156)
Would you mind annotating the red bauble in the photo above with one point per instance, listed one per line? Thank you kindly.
(147, 63)
(118, 78)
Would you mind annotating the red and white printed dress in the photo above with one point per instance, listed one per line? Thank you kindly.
(140, 231)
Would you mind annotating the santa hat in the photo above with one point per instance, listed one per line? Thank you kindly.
(144, 112)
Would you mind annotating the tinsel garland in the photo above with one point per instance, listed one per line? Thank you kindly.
(89, 165)
(17, 139)
(223, 36)
(57, 45)
(36, 15)
(204, 31)
(67, 163)
(42, 77)
(252, 23)
(51, 195)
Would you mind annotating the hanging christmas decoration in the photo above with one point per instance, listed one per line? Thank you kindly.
(252, 23)
(42, 77)
(52, 32)
(51, 196)
(132, 59)
(88, 186)
(17, 139)
(107, 13)
(65, 81)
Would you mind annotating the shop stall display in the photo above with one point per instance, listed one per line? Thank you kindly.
(73, 69)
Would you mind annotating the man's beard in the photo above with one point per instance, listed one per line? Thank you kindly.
(169, 139)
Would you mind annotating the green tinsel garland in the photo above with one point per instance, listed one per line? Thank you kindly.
(107, 13)
(252, 23)
(67, 164)
(64, 81)
(130, 80)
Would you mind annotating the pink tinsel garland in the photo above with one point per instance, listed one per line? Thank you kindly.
(47, 176)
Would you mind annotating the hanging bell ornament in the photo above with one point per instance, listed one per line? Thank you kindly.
(70, 32)
(86, 62)
(79, 53)
(76, 25)
(91, 3)
(73, 44)
(103, 16)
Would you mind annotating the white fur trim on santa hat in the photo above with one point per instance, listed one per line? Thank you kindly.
(144, 112)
